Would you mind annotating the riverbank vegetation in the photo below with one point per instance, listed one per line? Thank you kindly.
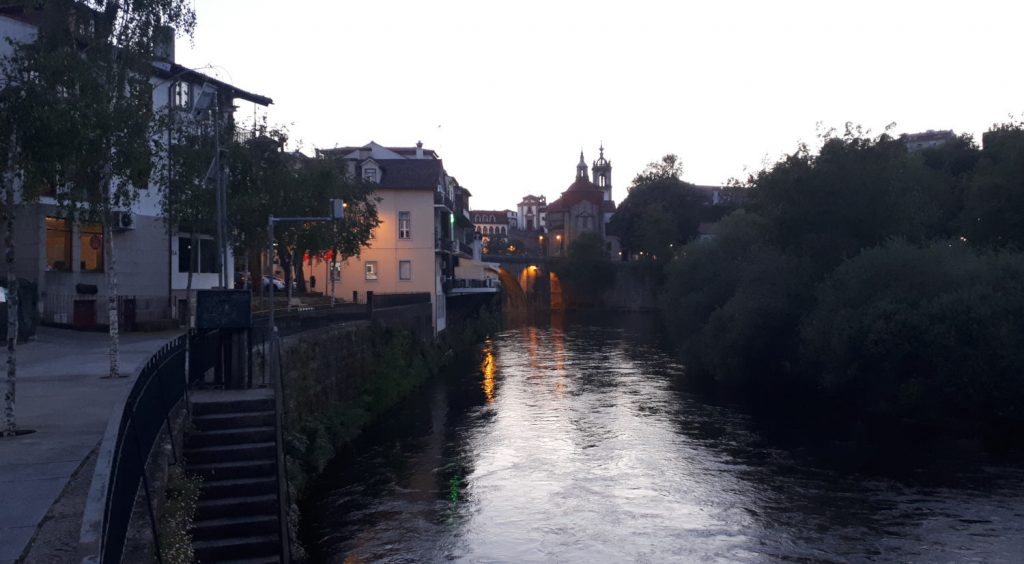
(869, 281)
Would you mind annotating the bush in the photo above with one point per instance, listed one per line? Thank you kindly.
(926, 333)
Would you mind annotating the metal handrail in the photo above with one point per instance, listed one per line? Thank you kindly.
(132, 431)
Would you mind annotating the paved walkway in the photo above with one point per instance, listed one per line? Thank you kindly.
(63, 397)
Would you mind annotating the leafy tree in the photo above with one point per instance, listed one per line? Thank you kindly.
(77, 106)
(586, 272)
(857, 192)
(658, 216)
(187, 198)
(923, 332)
(993, 214)
(668, 168)
(266, 179)
(504, 245)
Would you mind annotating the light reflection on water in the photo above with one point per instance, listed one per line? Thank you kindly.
(573, 445)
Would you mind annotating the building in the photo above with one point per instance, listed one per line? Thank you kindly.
(493, 222)
(927, 139)
(585, 207)
(532, 211)
(66, 259)
(425, 230)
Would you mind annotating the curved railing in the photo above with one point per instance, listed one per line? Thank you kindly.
(130, 436)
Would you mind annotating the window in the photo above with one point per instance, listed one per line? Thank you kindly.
(405, 270)
(58, 244)
(601, 181)
(371, 270)
(203, 261)
(370, 174)
(90, 238)
(183, 95)
(404, 225)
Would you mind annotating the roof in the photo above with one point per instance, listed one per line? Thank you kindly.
(500, 216)
(176, 71)
(579, 191)
(402, 151)
(410, 174)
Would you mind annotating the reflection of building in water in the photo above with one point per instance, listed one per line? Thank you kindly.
(488, 371)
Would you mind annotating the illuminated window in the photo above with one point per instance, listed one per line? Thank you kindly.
(371, 270)
(58, 244)
(404, 225)
(405, 270)
(91, 240)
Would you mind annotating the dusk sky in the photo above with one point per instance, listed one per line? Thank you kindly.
(508, 93)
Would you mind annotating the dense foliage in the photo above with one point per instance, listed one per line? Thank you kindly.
(876, 280)
(661, 211)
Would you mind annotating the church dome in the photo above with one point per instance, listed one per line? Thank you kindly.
(582, 184)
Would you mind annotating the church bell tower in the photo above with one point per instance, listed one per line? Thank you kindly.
(602, 173)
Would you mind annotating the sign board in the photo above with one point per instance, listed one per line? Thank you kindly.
(224, 309)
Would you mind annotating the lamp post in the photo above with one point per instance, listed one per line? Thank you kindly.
(543, 251)
(337, 214)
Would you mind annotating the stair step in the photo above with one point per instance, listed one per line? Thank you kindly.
(232, 406)
(244, 435)
(229, 527)
(228, 453)
(223, 421)
(262, 468)
(217, 489)
(236, 548)
(236, 507)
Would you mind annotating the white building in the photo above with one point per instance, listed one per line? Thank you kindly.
(66, 259)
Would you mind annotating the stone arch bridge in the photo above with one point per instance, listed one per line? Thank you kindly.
(528, 283)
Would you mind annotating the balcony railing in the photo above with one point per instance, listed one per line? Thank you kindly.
(442, 199)
(458, 283)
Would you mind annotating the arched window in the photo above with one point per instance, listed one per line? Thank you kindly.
(601, 181)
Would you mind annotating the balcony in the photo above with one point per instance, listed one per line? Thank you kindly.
(443, 200)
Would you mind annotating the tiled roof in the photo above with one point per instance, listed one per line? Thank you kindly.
(410, 174)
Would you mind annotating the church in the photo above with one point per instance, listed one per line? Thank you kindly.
(585, 207)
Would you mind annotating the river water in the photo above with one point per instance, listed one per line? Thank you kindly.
(574, 443)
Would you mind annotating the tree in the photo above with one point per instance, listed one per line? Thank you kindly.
(586, 272)
(93, 80)
(993, 214)
(187, 198)
(670, 167)
(660, 213)
(266, 179)
(77, 107)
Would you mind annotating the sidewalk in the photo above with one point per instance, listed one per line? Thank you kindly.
(62, 396)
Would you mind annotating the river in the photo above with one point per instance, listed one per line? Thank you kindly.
(574, 442)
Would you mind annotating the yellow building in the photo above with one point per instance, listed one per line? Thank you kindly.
(423, 231)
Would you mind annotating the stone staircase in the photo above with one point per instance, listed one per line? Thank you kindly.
(233, 448)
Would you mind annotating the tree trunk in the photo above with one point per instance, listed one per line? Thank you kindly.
(300, 277)
(10, 423)
(112, 310)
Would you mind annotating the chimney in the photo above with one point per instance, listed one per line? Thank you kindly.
(163, 44)
(419, 149)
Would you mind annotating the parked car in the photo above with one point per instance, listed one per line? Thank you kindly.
(277, 282)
